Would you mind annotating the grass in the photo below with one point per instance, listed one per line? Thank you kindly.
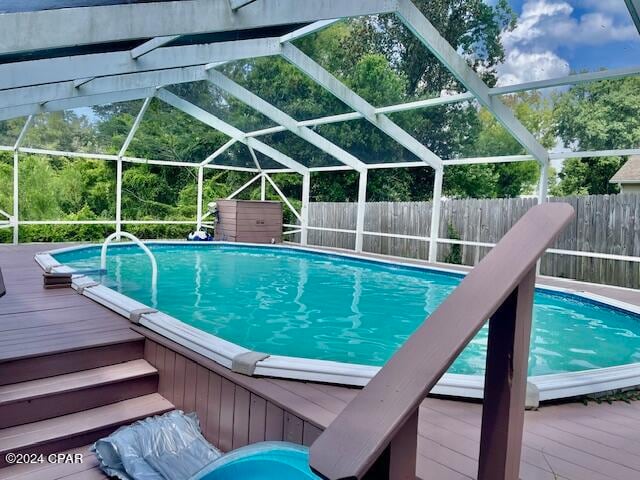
(626, 396)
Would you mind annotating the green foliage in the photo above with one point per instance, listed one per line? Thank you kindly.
(597, 116)
(472, 27)
(600, 115)
(587, 176)
(66, 131)
(470, 181)
(144, 193)
(375, 81)
(168, 134)
(454, 255)
(6, 181)
(10, 129)
(66, 233)
(626, 396)
(501, 180)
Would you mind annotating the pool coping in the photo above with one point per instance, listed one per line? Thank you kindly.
(239, 359)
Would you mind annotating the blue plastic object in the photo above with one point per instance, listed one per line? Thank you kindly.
(261, 461)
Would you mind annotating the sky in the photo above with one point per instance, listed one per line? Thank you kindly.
(558, 37)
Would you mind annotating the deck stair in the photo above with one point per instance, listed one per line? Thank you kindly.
(80, 428)
(45, 398)
(54, 350)
(68, 399)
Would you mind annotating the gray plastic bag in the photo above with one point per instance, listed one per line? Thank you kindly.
(167, 447)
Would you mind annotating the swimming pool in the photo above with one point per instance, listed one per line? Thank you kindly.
(320, 316)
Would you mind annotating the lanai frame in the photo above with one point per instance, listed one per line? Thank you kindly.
(30, 87)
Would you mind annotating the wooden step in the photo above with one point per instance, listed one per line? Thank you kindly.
(36, 400)
(74, 355)
(77, 429)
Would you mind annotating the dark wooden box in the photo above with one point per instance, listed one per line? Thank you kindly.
(249, 221)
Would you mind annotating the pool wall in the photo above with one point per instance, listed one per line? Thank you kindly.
(242, 360)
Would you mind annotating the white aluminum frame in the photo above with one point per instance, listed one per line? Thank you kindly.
(31, 87)
(278, 116)
(64, 69)
(47, 29)
(116, 88)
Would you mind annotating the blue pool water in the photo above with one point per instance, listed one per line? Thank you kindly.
(314, 305)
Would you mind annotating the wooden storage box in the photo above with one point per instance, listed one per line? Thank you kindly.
(249, 221)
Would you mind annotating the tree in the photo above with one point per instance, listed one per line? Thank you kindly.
(597, 116)
(472, 27)
(587, 176)
(65, 131)
(504, 179)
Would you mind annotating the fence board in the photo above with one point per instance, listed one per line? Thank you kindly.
(604, 224)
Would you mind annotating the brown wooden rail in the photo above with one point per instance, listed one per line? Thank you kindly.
(375, 436)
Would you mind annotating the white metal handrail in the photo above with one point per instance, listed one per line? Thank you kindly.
(145, 249)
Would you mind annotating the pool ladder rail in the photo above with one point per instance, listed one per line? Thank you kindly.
(145, 249)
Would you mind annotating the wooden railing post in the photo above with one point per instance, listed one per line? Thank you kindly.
(505, 384)
(398, 462)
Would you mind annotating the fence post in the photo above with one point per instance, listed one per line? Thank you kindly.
(543, 194)
(362, 203)
(16, 180)
(435, 215)
(118, 197)
(505, 384)
(16, 206)
(304, 211)
(199, 199)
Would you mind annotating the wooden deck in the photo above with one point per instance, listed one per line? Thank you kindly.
(566, 441)
(36, 322)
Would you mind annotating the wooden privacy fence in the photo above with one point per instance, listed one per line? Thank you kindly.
(604, 224)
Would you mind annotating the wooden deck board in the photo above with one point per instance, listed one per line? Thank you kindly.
(566, 441)
(35, 321)
(87, 469)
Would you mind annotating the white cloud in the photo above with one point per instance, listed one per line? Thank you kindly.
(523, 66)
(548, 24)
(544, 26)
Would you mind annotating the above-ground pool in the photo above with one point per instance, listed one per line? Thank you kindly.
(338, 318)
